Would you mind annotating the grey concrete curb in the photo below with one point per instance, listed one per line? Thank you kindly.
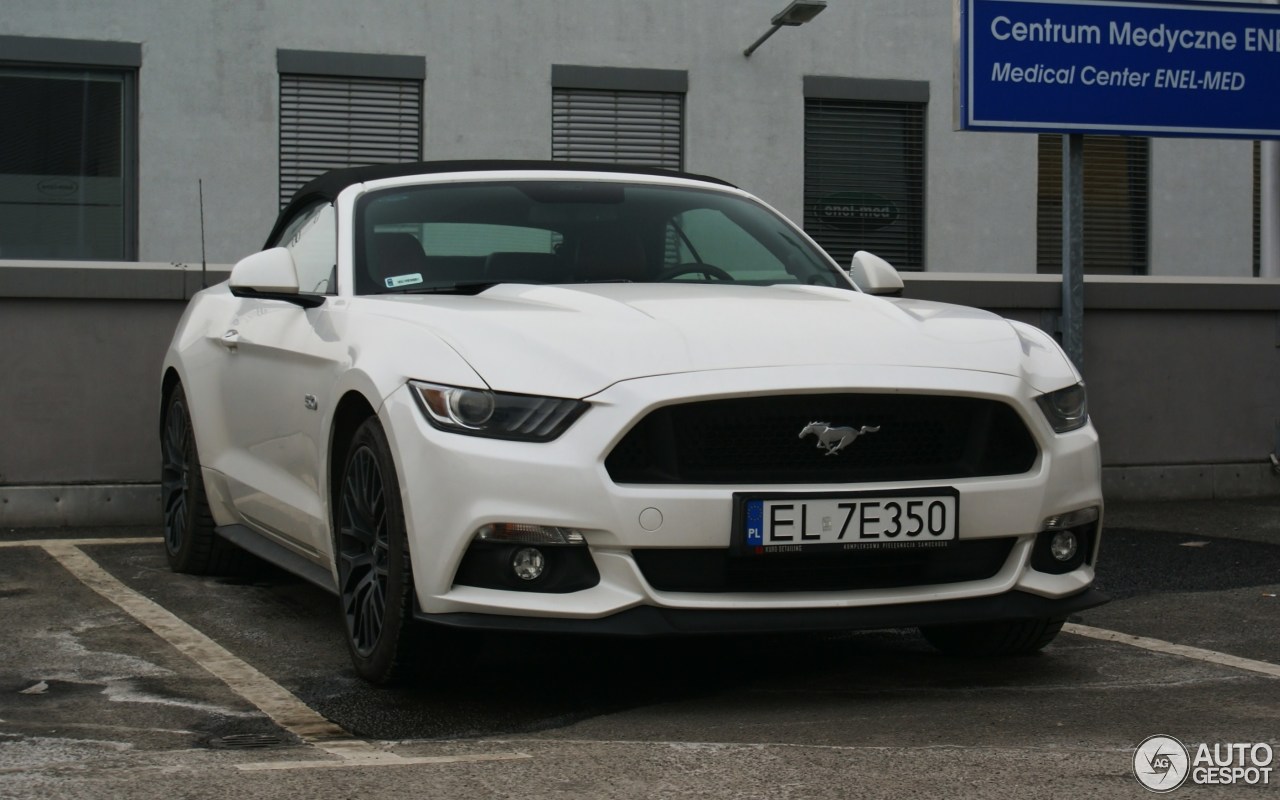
(79, 505)
(1191, 482)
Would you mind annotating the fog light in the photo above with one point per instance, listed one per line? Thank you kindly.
(1064, 545)
(528, 563)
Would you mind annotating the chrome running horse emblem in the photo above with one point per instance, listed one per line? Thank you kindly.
(835, 439)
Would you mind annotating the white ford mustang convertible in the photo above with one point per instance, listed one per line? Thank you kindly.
(575, 398)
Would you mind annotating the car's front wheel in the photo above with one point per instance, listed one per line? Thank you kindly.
(986, 639)
(190, 542)
(375, 579)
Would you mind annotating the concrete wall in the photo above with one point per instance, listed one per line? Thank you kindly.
(79, 400)
(1183, 374)
(1184, 379)
(208, 95)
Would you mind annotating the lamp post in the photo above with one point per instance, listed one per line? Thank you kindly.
(797, 12)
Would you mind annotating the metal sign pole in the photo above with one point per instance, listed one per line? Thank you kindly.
(1269, 213)
(1072, 323)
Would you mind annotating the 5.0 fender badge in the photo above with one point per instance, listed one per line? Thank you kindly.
(835, 439)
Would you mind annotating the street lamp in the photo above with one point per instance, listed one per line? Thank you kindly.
(797, 12)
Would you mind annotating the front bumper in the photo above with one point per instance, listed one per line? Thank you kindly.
(655, 621)
(451, 485)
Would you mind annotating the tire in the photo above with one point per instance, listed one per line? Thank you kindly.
(992, 639)
(190, 542)
(375, 578)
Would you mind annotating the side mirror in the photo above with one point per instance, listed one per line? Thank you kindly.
(874, 275)
(270, 275)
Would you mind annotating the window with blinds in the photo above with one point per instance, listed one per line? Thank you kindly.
(864, 178)
(618, 127)
(328, 122)
(1116, 205)
(69, 148)
(66, 170)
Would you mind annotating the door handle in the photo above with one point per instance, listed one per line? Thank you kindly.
(230, 339)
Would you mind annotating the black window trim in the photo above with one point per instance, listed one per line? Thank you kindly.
(31, 50)
(831, 87)
(619, 79)
(351, 65)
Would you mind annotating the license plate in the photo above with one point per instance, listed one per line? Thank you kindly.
(846, 521)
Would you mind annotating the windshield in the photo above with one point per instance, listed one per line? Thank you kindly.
(460, 236)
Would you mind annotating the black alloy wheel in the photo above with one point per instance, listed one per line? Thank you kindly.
(190, 542)
(364, 550)
(175, 473)
(375, 579)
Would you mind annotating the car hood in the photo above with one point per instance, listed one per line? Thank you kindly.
(576, 340)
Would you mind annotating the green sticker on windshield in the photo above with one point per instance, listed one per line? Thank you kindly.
(404, 280)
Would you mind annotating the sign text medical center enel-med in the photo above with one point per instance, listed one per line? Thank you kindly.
(1136, 68)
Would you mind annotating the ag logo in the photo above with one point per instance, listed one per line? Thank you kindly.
(1161, 763)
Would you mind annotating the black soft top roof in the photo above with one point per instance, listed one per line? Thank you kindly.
(328, 186)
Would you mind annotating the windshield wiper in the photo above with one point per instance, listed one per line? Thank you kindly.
(466, 287)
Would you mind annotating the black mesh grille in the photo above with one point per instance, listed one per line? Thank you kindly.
(697, 570)
(757, 440)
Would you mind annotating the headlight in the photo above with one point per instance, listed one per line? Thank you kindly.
(1066, 409)
(499, 415)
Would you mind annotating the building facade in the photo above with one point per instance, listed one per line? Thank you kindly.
(123, 117)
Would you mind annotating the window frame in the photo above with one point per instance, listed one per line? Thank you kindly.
(118, 58)
(620, 82)
(1050, 206)
(340, 66)
(913, 96)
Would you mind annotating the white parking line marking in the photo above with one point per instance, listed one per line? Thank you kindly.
(80, 542)
(270, 697)
(278, 703)
(384, 760)
(1169, 648)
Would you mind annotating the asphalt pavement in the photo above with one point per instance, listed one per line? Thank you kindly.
(122, 679)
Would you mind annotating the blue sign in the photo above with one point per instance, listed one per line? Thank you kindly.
(1209, 70)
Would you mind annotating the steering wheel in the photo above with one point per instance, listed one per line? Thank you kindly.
(691, 268)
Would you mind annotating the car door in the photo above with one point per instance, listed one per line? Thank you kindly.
(281, 362)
